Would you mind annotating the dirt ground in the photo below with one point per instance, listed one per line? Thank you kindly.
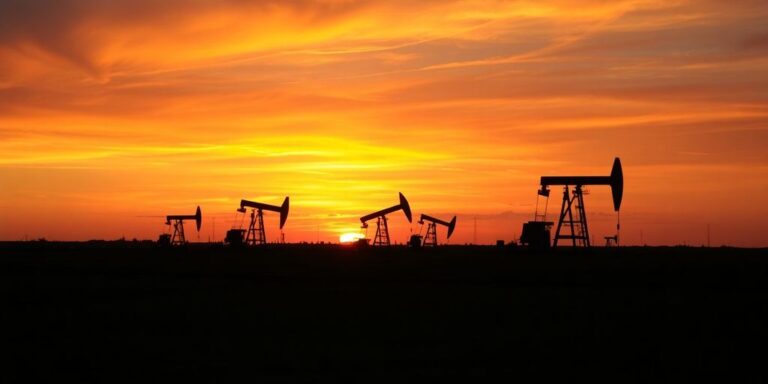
(128, 312)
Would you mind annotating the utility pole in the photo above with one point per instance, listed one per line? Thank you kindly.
(474, 233)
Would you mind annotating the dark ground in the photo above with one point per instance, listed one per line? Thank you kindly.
(104, 312)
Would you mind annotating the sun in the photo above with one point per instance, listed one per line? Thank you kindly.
(350, 237)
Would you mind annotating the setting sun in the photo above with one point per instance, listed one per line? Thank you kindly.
(350, 237)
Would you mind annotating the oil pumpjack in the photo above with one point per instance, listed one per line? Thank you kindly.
(430, 240)
(382, 230)
(256, 234)
(536, 233)
(178, 237)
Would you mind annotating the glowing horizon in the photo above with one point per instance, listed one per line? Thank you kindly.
(112, 111)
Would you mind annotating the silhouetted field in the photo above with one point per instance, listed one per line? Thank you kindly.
(106, 312)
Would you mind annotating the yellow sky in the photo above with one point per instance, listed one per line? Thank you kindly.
(115, 110)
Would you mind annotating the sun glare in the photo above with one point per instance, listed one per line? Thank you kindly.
(350, 237)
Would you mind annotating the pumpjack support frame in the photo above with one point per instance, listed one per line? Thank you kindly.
(256, 235)
(575, 221)
(178, 237)
(430, 239)
(382, 232)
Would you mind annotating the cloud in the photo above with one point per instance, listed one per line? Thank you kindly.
(99, 36)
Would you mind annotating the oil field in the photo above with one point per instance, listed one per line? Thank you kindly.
(383, 191)
(552, 305)
(125, 311)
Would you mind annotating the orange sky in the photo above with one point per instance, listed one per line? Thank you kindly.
(115, 110)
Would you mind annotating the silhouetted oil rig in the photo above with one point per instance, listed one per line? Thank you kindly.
(382, 229)
(430, 239)
(256, 234)
(177, 221)
(571, 223)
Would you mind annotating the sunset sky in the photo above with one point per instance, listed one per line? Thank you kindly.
(115, 111)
